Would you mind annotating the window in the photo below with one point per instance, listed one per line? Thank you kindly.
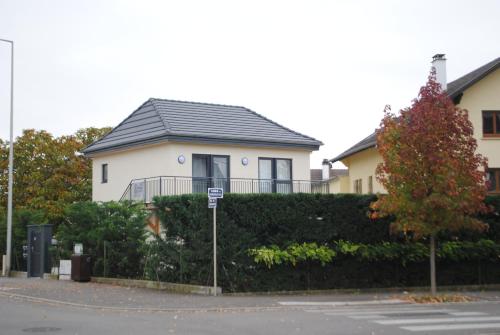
(370, 184)
(358, 189)
(210, 171)
(104, 173)
(493, 180)
(491, 123)
(275, 175)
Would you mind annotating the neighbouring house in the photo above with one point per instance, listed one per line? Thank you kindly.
(334, 180)
(477, 91)
(168, 147)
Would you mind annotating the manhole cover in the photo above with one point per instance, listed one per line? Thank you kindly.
(41, 329)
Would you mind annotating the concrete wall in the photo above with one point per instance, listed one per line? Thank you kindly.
(161, 160)
(484, 95)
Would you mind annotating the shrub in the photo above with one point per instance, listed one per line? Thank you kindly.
(114, 228)
(253, 221)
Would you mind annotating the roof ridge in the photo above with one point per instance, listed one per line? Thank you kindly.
(243, 107)
(196, 102)
(165, 123)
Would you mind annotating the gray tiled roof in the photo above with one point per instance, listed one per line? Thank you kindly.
(454, 90)
(159, 120)
(456, 87)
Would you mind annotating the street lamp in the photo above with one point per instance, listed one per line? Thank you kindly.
(7, 259)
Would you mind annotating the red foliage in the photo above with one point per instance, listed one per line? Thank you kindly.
(434, 179)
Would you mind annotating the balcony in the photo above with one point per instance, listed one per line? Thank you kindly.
(147, 188)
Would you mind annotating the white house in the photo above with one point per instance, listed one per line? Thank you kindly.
(170, 147)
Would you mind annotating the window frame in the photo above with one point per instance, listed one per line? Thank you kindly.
(370, 184)
(496, 175)
(104, 173)
(358, 186)
(274, 173)
(496, 126)
(210, 172)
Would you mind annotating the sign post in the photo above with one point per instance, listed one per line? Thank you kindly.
(213, 195)
(215, 249)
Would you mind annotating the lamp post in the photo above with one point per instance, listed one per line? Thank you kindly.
(7, 263)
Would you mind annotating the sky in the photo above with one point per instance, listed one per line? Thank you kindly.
(322, 68)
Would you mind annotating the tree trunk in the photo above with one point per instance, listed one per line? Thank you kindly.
(433, 264)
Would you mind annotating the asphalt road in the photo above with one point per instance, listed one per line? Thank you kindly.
(19, 316)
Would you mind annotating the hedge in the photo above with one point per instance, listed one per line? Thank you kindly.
(112, 233)
(249, 221)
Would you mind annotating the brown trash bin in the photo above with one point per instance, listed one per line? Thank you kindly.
(80, 268)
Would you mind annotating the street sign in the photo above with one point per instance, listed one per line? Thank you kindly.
(212, 202)
(215, 192)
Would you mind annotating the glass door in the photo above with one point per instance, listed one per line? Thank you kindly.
(283, 176)
(201, 173)
(266, 175)
(220, 172)
(210, 171)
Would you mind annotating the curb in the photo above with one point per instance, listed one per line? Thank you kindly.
(190, 310)
(164, 286)
(354, 291)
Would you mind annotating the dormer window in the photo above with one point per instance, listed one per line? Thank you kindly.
(491, 123)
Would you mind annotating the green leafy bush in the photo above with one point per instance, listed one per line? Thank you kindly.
(385, 251)
(113, 233)
(293, 254)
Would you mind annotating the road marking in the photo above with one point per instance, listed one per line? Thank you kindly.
(467, 313)
(367, 317)
(464, 326)
(437, 320)
(370, 309)
(338, 303)
(393, 311)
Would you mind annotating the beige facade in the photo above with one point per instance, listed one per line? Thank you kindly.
(484, 95)
(361, 167)
(339, 184)
(162, 160)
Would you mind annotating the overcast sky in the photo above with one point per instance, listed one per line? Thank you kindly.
(323, 68)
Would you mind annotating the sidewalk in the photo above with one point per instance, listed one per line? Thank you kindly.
(93, 295)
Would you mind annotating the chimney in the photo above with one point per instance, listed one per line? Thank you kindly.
(439, 64)
(326, 169)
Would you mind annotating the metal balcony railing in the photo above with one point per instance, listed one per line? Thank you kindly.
(146, 188)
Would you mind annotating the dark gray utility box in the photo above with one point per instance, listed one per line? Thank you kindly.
(80, 267)
(39, 241)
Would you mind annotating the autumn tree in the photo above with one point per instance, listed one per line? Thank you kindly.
(49, 172)
(434, 179)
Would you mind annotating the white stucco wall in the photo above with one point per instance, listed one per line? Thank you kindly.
(161, 160)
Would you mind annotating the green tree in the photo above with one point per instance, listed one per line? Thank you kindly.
(434, 179)
(49, 172)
